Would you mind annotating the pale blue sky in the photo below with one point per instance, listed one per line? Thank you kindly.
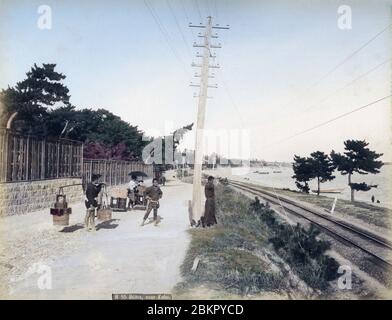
(115, 57)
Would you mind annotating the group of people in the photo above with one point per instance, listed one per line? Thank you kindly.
(136, 189)
(374, 199)
(151, 194)
(139, 194)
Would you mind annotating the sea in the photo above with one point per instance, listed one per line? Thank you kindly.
(281, 177)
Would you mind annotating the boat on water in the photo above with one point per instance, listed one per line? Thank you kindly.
(329, 191)
(277, 171)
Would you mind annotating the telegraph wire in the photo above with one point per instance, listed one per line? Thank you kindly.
(215, 8)
(352, 54)
(196, 5)
(348, 84)
(336, 67)
(330, 121)
(315, 105)
(187, 17)
(165, 34)
(178, 27)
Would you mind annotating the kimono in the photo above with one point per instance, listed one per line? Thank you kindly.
(154, 193)
(92, 192)
(209, 218)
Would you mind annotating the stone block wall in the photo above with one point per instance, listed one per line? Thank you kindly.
(24, 197)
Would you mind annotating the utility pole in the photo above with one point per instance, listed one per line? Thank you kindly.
(201, 109)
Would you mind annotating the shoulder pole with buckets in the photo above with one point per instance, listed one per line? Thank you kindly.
(104, 213)
(60, 210)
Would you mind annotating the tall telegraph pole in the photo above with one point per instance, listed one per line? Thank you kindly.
(201, 109)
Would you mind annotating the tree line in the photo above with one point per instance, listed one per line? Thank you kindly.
(357, 158)
(40, 106)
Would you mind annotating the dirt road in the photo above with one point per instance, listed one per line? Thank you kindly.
(42, 261)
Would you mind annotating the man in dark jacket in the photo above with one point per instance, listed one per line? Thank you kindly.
(92, 191)
(209, 218)
(153, 194)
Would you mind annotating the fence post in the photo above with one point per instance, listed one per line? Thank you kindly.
(27, 158)
(81, 160)
(115, 172)
(6, 142)
(58, 159)
(111, 172)
(43, 159)
(91, 170)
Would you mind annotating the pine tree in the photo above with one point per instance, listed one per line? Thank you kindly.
(31, 98)
(322, 168)
(357, 159)
(302, 172)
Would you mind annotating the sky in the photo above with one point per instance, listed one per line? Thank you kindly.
(286, 67)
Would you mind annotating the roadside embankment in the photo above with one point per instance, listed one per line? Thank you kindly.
(254, 254)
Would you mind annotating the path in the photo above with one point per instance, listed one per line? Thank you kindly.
(120, 257)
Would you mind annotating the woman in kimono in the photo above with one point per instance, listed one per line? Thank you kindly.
(209, 218)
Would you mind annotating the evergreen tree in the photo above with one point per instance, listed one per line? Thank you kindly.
(357, 159)
(41, 102)
(31, 98)
(322, 168)
(302, 172)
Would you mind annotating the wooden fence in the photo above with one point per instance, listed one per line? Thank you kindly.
(113, 172)
(27, 158)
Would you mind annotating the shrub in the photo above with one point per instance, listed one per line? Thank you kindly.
(306, 254)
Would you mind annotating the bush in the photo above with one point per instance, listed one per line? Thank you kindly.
(300, 248)
(228, 249)
(296, 245)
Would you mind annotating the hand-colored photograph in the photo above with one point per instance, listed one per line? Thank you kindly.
(195, 150)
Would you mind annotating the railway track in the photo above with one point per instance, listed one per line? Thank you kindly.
(372, 244)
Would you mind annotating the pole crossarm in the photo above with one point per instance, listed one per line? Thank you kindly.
(201, 56)
(215, 36)
(197, 96)
(196, 26)
(214, 46)
(213, 66)
(214, 86)
(199, 76)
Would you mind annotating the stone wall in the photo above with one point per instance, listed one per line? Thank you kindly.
(24, 197)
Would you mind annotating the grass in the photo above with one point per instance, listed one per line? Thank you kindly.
(368, 213)
(233, 253)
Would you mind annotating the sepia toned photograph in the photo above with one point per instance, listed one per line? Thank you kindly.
(195, 150)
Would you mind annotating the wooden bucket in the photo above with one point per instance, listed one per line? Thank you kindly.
(62, 220)
(104, 214)
(60, 216)
(118, 204)
(114, 203)
(122, 204)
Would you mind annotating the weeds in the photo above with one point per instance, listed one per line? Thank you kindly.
(306, 255)
(228, 256)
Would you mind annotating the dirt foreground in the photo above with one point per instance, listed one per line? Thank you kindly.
(42, 261)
